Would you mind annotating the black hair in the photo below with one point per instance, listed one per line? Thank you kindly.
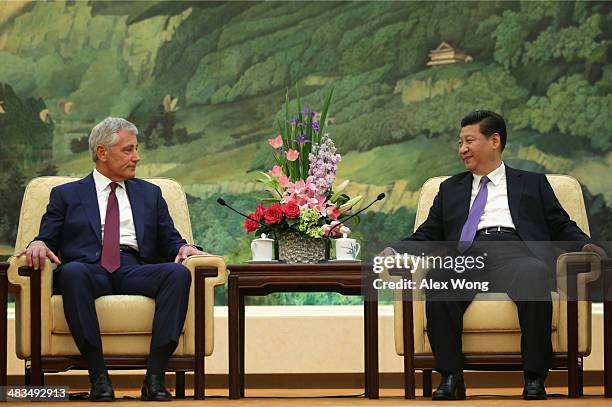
(489, 123)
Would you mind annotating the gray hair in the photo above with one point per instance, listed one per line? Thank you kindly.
(105, 134)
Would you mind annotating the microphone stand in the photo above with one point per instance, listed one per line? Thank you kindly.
(380, 197)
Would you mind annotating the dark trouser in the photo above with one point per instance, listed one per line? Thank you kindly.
(80, 284)
(511, 268)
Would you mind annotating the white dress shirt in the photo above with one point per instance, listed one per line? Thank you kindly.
(497, 209)
(127, 231)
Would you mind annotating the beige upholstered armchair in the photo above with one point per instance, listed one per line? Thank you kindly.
(495, 342)
(42, 336)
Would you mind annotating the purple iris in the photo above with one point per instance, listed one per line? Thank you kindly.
(301, 139)
(316, 126)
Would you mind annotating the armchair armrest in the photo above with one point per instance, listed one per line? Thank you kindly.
(585, 266)
(417, 275)
(207, 272)
(32, 305)
(208, 261)
(18, 276)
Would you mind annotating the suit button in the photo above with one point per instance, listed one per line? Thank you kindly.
(97, 254)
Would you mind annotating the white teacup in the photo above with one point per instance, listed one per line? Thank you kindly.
(262, 249)
(346, 248)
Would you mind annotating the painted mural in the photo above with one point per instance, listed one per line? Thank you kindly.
(205, 82)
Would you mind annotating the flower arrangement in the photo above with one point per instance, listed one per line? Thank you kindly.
(300, 184)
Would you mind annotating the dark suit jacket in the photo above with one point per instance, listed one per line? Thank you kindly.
(71, 227)
(537, 214)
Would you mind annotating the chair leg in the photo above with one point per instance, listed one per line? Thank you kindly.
(427, 383)
(573, 377)
(581, 378)
(180, 385)
(408, 341)
(37, 377)
(27, 376)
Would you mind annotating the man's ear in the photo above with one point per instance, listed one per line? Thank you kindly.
(495, 140)
(101, 153)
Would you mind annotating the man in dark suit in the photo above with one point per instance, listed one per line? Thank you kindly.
(492, 202)
(111, 233)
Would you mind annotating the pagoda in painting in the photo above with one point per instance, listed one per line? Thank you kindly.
(446, 54)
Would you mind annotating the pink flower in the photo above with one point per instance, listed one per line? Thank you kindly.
(319, 204)
(276, 142)
(276, 171)
(296, 187)
(336, 230)
(292, 155)
(304, 193)
(333, 212)
(283, 180)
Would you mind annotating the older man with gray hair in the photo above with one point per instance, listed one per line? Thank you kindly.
(111, 233)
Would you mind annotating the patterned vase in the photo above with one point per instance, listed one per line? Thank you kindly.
(296, 248)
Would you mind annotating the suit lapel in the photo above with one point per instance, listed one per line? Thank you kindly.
(515, 185)
(137, 204)
(89, 200)
(464, 195)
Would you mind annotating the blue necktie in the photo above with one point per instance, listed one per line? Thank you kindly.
(471, 224)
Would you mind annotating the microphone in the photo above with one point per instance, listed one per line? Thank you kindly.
(222, 202)
(380, 197)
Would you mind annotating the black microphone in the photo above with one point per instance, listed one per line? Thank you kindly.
(222, 202)
(380, 197)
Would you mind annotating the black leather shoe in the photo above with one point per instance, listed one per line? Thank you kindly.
(101, 389)
(534, 389)
(153, 389)
(451, 387)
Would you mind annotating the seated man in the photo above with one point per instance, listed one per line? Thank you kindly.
(111, 233)
(492, 202)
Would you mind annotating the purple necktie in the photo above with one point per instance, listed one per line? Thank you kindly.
(471, 224)
(111, 258)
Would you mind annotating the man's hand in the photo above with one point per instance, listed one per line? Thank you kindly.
(387, 251)
(186, 251)
(36, 253)
(590, 247)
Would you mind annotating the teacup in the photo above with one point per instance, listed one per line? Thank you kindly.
(262, 249)
(346, 248)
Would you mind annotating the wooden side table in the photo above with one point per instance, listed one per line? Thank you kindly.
(267, 278)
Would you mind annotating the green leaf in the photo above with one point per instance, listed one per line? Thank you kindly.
(287, 117)
(268, 199)
(325, 110)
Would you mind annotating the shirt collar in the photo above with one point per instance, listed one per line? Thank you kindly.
(495, 176)
(102, 182)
